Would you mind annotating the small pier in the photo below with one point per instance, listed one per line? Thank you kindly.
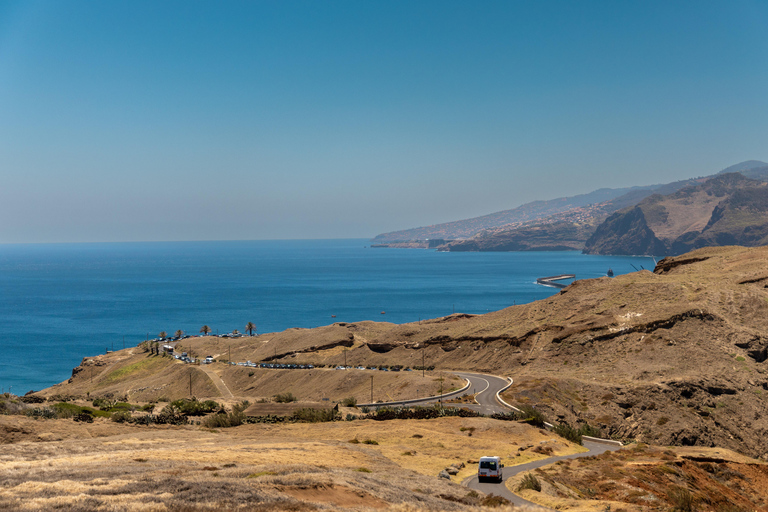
(553, 280)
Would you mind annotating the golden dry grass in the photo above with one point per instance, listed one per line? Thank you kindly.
(106, 466)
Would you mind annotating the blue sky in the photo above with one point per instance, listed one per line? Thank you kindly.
(192, 120)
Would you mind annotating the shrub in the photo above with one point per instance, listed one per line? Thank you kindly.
(568, 432)
(682, 499)
(349, 402)
(529, 481)
(494, 501)
(121, 416)
(662, 421)
(67, 410)
(83, 416)
(532, 416)
(42, 412)
(507, 416)
(588, 430)
(370, 441)
(231, 419)
(285, 398)
(192, 407)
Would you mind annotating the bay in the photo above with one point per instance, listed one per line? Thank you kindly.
(62, 302)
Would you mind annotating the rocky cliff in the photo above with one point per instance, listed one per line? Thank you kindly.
(728, 209)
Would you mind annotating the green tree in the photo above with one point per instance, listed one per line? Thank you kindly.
(205, 330)
(179, 333)
(163, 334)
(250, 327)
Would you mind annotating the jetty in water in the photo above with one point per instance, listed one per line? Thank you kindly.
(553, 280)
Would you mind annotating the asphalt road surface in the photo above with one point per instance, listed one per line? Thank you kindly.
(485, 388)
(500, 489)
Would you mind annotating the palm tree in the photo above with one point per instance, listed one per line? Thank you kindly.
(163, 334)
(179, 333)
(235, 332)
(205, 330)
(250, 328)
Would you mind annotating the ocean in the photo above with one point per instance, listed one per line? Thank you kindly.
(62, 302)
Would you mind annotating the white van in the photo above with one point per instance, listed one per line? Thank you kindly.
(490, 468)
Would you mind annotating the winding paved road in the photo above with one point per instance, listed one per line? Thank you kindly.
(500, 489)
(488, 388)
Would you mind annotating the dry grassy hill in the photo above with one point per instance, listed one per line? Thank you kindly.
(673, 357)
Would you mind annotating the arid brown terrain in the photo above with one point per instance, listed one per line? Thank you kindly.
(671, 358)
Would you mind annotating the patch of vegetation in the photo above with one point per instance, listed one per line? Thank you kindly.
(494, 501)
(662, 421)
(568, 432)
(507, 416)
(126, 371)
(370, 441)
(420, 413)
(364, 470)
(529, 481)
(261, 473)
(67, 410)
(682, 499)
(588, 430)
(283, 398)
(349, 402)
(121, 417)
(234, 418)
(193, 407)
(532, 416)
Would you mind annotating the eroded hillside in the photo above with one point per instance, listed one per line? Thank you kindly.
(676, 356)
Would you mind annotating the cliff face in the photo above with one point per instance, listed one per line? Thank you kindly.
(728, 209)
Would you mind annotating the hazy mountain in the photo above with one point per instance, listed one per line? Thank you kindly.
(560, 224)
(728, 209)
(528, 212)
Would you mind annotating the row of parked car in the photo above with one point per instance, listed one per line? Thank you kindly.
(187, 359)
(276, 366)
(379, 368)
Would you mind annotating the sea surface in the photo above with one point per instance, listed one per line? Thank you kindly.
(62, 302)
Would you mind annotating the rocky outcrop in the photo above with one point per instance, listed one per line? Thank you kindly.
(728, 209)
(625, 233)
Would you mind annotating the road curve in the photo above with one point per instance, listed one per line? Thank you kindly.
(500, 489)
(485, 388)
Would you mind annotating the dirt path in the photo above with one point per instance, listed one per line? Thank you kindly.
(217, 381)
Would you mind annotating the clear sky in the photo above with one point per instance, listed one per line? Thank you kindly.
(197, 120)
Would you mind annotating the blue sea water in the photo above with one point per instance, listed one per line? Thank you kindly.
(62, 302)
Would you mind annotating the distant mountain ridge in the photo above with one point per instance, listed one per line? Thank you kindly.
(557, 224)
(532, 211)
